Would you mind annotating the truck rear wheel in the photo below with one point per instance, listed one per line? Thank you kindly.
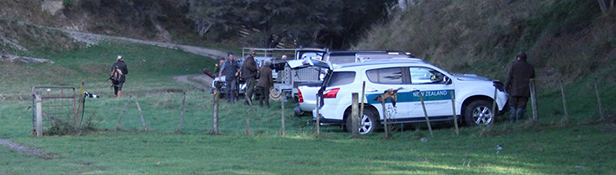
(369, 123)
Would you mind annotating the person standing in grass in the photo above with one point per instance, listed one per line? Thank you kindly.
(4, 54)
(230, 69)
(265, 83)
(517, 85)
(249, 73)
(119, 70)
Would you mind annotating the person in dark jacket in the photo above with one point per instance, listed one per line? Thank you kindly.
(249, 73)
(517, 85)
(231, 70)
(121, 70)
(265, 83)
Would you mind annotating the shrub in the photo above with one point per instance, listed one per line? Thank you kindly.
(68, 4)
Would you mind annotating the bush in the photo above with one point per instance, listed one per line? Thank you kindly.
(68, 4)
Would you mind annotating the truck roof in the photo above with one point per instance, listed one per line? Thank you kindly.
(355, 52)
(400, 60)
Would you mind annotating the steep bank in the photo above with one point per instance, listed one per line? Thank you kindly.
(567, 39)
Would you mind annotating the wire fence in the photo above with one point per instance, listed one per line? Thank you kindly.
(193, 112)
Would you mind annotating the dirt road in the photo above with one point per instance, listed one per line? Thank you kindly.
(36, 152)
(92, 39)
(199, 81)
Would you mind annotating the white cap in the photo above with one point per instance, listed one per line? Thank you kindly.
(120, 57)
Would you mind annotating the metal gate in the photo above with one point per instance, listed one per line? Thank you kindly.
(58, 104)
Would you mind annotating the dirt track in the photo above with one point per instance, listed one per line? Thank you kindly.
(90, 39)
(36, 152)
(199, 81)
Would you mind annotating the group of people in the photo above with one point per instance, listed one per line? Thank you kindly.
(258, 79)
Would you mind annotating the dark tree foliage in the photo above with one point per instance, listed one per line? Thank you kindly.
(140, 16)
(292, 23)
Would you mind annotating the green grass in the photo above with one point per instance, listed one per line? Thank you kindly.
(582, 147)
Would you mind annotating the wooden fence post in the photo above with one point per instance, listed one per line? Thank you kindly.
(82, 100)
(39, 114)
(453, 107)
(423, 105)
(354, 115)
(182, 113)
(385, 118)
(141, 113)
(599, 100)
(122, 115)
(494, 107)
(318, 124)
(215, 113)
(252, 108)
(282, 115)
(533, 98)
(562, 92)
(363, 96)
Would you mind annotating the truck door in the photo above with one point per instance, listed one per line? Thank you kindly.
(383, 79)
(436, 89)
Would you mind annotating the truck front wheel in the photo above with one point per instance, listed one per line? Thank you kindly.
(479, 112)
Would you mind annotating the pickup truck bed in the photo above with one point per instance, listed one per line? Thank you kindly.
(307, 93)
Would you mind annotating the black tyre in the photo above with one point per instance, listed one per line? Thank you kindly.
(478, 112)
(369, 123)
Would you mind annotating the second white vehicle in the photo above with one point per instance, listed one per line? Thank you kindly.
(473, 95)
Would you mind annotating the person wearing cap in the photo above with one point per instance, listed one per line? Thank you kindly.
(517, 85)
(249, 74)
(221, 61)
(265, 83)
(121, 69)
(230, 69)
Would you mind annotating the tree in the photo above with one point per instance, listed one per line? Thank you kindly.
(300, 22)
(603, 5)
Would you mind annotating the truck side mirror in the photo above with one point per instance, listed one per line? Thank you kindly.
(447, 80)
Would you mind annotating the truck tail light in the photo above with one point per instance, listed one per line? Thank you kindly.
(331, 93)
(299, 94)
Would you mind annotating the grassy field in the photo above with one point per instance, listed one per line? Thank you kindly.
(584, 146)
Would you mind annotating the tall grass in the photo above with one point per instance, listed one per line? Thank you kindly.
(566, 39)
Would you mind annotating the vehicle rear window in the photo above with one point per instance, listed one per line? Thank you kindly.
(385, 75)
(341, 78)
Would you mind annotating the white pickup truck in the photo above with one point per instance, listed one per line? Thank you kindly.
(307, 99)
(473, 95)
(307, 91)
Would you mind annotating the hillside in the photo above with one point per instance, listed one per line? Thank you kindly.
(261, 23)
(569, 40)
(158, 21)
(566, 39)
